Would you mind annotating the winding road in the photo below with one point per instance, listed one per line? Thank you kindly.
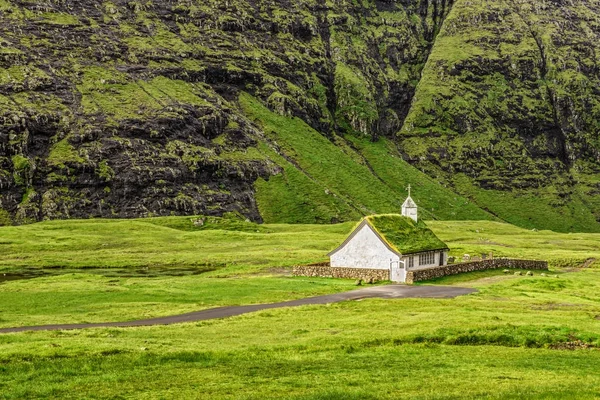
(384, 292)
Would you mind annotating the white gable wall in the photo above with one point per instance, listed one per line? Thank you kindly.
(364, 250)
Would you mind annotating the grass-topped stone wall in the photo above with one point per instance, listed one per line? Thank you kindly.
(438, 272)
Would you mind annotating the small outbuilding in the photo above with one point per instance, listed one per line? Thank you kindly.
(393, 242)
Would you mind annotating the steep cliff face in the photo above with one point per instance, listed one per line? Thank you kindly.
(128, 108)
(508, 110)
(300, 111)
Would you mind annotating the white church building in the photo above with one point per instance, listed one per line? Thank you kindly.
(393, 242)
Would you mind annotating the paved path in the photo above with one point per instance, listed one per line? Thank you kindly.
(384, 292)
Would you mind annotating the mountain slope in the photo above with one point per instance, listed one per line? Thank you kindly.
(128, 108)
(301, 111)
(343, 180)
(508, 110)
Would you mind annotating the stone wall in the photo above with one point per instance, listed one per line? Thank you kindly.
(324, 270)
(453, 269)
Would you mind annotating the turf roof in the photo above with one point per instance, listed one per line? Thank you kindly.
(404, 234)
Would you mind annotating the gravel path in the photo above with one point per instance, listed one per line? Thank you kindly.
(384, 292)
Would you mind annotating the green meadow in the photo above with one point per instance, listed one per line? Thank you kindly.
(517, 337)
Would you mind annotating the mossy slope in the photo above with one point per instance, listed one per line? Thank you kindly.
(507, 111)
(128, 109)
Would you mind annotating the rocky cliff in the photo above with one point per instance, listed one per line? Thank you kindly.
(300, 111)
(508, 110)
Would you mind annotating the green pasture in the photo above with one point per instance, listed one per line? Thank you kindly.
(230, 246)
(116, 270)
(165, 242)
(517, 337)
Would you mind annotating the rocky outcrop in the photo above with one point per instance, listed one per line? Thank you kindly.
(130, 108)
(126, 108)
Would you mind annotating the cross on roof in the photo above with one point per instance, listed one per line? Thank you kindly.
(408, 188)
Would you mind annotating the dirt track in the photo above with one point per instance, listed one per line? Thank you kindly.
(384, 292)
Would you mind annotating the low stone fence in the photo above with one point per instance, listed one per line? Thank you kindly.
(453, 269)
(325, 271)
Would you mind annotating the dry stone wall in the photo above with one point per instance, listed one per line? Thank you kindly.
(453, 269)
(375, 275)
(324, 270)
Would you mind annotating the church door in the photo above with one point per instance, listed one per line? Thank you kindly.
(397, 272)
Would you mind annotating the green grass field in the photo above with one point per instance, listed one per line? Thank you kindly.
(518, 337)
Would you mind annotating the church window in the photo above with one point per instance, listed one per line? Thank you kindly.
(426, 259)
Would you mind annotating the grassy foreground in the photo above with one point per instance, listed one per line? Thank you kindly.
(533, 337)
(518, 337)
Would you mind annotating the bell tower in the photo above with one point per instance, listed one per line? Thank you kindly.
(409, 208)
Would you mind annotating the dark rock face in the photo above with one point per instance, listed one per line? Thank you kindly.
(130, 108)
(509, 102)
(127, 108)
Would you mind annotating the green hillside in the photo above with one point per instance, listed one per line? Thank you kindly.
(507, 112)
(340, 179)
(301, 111)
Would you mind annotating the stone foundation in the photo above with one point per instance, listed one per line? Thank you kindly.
(325, 271)
(453, 269)
(374, 275)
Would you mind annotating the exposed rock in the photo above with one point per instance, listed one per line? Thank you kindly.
(114, 110)
(128, 109)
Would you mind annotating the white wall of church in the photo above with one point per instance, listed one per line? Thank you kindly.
(410, 212)
(364, 250)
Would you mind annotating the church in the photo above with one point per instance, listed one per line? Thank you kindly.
(393, 242)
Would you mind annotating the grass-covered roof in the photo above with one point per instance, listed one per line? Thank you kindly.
(404, 234)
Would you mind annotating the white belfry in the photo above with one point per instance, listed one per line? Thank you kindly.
(409, 208)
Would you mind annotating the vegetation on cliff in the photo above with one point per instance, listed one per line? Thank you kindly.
(507, 111)
(141, 108)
